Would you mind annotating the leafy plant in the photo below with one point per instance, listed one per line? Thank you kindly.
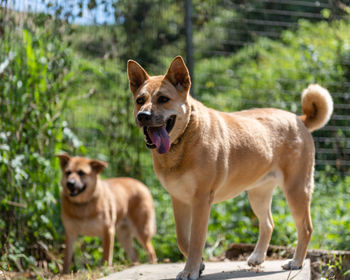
(35, 71)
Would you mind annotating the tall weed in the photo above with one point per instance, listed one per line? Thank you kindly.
(35, 70)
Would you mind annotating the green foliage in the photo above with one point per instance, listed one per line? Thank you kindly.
(143, 31)
(334, 268)
(229, 25)
(275, 72)
(34, 72)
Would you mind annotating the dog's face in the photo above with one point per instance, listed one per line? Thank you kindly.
(161, 103)
(79, 176)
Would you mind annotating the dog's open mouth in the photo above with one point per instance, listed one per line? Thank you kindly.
(157, 137)
(77, 191)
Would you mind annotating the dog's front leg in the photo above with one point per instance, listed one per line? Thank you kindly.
(182, 215)
(108, 244)
(200, 210)
(68, 251)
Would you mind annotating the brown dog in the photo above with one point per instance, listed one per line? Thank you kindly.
(95, 207)
(202, 156)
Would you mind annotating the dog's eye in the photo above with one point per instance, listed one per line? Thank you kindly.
(163, 99)
(68, 173)
(140, 101)
(81, 173)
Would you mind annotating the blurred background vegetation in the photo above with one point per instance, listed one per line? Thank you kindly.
(63, 87)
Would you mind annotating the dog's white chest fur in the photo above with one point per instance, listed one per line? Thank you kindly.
(182, 188)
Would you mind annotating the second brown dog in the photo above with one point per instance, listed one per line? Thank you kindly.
(95, 207)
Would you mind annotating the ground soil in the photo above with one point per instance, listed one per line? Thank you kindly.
(326, 264)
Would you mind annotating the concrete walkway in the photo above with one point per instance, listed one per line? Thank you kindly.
(269, 270)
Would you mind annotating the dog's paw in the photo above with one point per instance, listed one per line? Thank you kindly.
(201, 268)
(291, 265)
(191, 275)
(255, 259)
(188, 275)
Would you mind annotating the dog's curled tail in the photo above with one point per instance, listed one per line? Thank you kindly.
(317, 105)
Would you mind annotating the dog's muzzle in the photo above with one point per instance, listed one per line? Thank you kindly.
(74, 188)
(156, 132)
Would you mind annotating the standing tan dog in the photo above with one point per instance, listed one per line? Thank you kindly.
(95, 207)
(202, 156)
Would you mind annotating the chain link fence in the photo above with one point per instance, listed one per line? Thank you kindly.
(252, 20)
(245, 22)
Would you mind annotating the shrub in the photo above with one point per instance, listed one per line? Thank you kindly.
(35, 69)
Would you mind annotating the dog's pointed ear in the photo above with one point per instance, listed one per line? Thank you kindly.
(137, 75)
(64, 159)
(98, 165)
(178, 74)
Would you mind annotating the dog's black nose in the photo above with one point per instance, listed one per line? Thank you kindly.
(71, 185)
(144, 116)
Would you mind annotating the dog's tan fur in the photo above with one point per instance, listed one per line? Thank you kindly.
(119, 205)
(214, 156)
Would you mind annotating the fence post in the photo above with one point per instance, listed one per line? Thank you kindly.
(189, 41)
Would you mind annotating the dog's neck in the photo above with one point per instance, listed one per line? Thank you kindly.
(82, 204)
(179, 138)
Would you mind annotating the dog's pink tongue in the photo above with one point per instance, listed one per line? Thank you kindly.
(160, 138)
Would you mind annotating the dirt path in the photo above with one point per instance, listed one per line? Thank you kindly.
(270, 270)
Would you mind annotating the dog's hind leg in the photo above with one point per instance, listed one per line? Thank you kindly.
(125, 235)
(298, 194)
(144, 227)
(146, 243)
(260, 201)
